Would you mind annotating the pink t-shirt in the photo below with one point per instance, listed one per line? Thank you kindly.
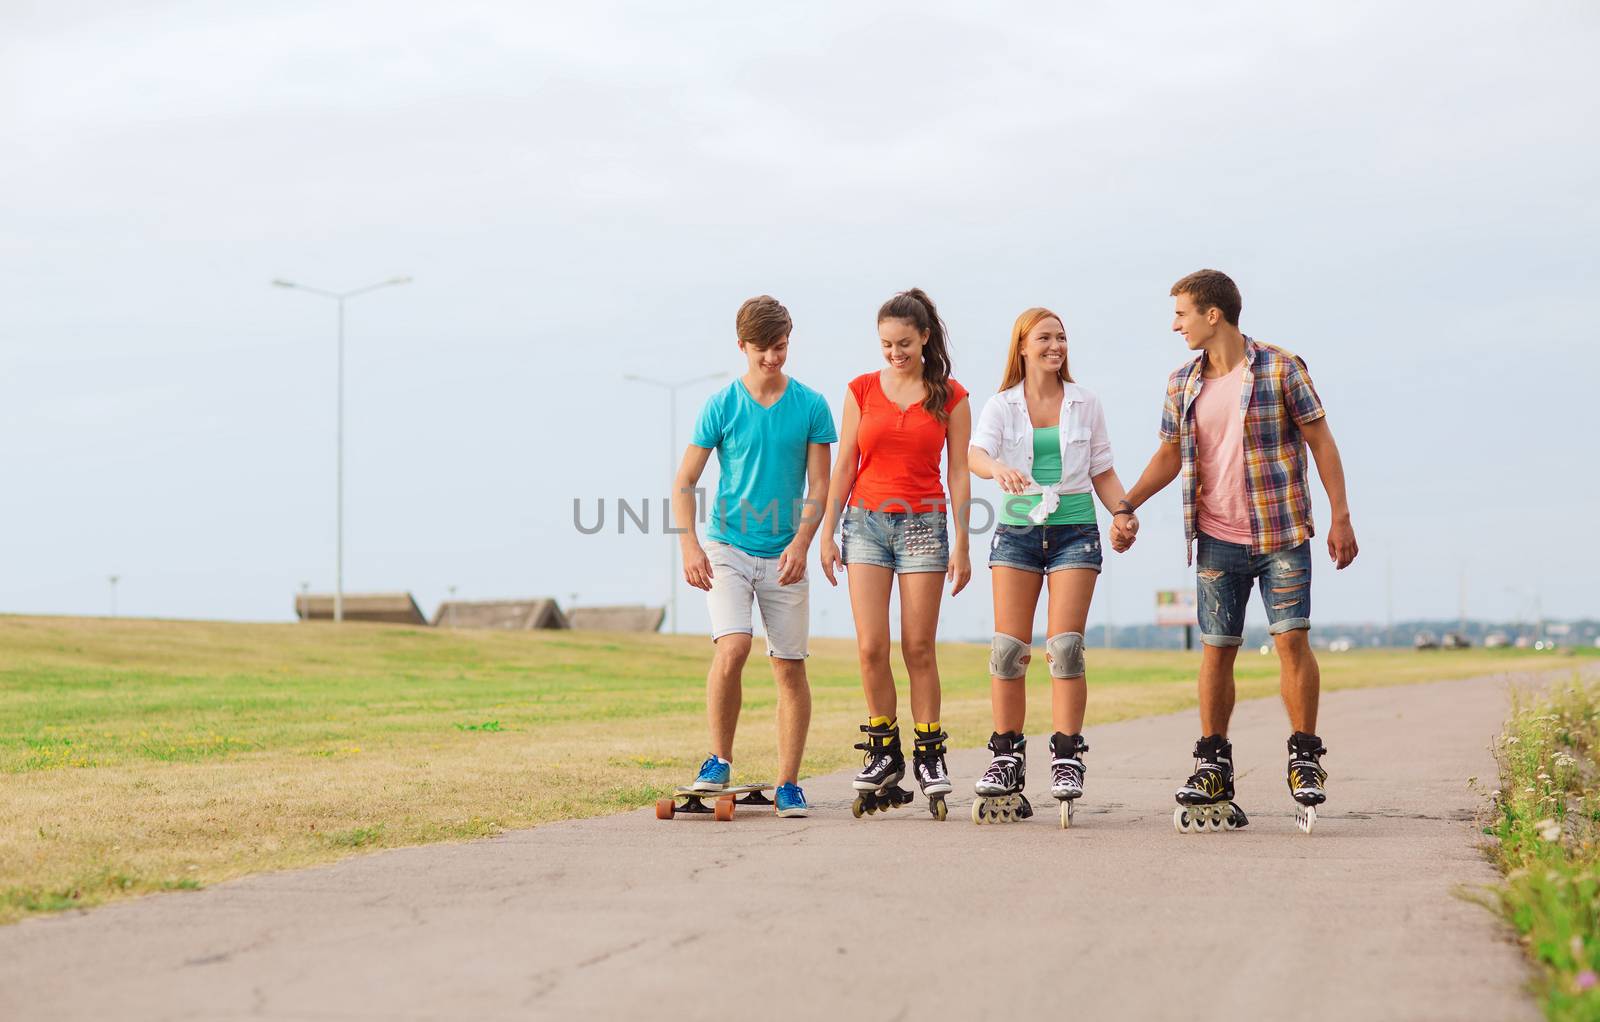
(1222, 508)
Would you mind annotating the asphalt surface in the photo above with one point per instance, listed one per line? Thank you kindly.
(889, 917)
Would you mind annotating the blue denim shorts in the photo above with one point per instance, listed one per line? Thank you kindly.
(901, 541)
(1045, 548)
(1224, 573)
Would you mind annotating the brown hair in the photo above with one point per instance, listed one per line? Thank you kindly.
(915, 307)
(1212, 289)
(762, 322)
(1020, 330)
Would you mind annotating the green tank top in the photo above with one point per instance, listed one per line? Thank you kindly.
(1074, 509)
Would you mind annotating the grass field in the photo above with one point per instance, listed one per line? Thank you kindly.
(141, 756)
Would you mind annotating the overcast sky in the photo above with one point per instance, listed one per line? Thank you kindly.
(1406, 195)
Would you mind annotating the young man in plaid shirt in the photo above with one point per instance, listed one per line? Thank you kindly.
(1237, 421)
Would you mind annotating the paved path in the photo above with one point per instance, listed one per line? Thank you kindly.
(882, 918)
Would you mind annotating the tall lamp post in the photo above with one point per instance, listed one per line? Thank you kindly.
(672, 466)
(340, 297)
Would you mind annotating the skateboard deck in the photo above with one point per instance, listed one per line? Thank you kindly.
(722, 801)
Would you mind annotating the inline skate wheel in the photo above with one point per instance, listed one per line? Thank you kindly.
(938, 808)
(1305, 818)
(1180, 820)
(857, 807)
(1066, 814)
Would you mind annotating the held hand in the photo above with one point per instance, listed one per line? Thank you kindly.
(1010, 480)
(1124, 530)
(831, 561)
(959, 573)
(1342, 543)
(697, 568)
(1119, 538)
(792, 564)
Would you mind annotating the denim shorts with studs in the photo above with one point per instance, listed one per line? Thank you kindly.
(904, 542)
(1045, 548)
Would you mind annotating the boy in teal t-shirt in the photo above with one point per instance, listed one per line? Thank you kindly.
(762, 453)
(772, 436)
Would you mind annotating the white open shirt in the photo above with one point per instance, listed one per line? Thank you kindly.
(1005, 431)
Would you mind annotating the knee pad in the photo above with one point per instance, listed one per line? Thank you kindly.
(1008, 656)
(1066, 655)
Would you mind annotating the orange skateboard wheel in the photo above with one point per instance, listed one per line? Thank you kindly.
(724, 810)
(665, 808)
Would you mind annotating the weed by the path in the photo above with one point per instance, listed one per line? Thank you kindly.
(359, 837)
(1547, 822)
(636, 795)
(88, 889)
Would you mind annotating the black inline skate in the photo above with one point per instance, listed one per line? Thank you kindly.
(1066, 772)
(1306, 778)
(927, 759)
(883, 765)
(1000, 798)
(1205, 802)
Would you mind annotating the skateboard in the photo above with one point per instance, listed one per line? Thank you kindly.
(723, 801)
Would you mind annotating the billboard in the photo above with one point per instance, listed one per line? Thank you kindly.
(1176, 607)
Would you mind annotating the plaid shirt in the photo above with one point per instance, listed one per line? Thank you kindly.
(1276, 398)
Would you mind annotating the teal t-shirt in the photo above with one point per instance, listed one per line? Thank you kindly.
(761, 455)
(1074, 509)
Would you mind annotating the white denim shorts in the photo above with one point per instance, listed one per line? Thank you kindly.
(737, 580)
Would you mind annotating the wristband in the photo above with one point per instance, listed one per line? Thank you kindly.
(1122, 511)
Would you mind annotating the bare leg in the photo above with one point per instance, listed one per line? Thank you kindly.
(1070, 593)
(725, 691)
(869, 604)
(920, 593)
(1016, 597)
(794, 716)
(1216, 688)
(1299, 678)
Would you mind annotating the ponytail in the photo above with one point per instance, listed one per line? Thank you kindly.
(915, 307)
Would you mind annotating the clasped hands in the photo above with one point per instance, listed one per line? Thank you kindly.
(1124, 530)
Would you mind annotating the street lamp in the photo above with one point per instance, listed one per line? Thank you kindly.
(340, 296)
(672, 468)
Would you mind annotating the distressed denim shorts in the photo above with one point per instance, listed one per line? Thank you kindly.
(904, 542)
(1224, 574)
(1045, 548)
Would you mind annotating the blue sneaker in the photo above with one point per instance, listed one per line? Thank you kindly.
(791, 800)
(714, 774)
